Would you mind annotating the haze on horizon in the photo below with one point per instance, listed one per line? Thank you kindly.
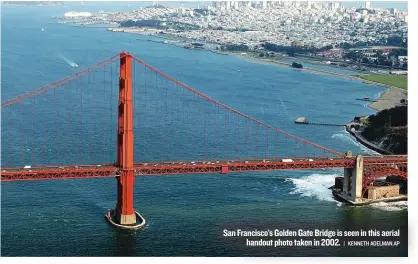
(401, 5)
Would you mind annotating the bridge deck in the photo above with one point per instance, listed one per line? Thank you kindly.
(189, 167)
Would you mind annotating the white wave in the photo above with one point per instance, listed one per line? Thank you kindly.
(380, 94)
(284, 108)
(315, 186)
(391, 206)
(262, 109)
(345, 136)
(69, 62)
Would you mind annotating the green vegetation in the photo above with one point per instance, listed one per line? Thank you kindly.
(234, 47)
(389, 129)
(297, 65)
(392, 80)
(291, 50)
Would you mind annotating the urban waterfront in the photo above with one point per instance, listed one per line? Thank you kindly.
(185, 214)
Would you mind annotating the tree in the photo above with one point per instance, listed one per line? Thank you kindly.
(365, 60)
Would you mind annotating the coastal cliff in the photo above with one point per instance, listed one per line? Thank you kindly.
(388, 130)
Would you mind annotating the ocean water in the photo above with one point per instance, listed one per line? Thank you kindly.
(185, 213)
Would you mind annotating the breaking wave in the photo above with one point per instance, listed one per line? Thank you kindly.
(315, 186)
(391, 206)
(345, 136)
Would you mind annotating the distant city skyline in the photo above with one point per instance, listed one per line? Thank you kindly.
(401, 5)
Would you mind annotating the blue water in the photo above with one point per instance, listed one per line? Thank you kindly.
(186, 213)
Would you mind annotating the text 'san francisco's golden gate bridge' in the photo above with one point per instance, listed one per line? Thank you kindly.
(178, 131)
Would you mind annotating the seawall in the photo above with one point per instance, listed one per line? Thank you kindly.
(357, 135)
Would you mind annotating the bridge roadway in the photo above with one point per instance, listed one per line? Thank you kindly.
(191, 167)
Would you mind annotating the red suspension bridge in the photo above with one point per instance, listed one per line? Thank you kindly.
(67, 129)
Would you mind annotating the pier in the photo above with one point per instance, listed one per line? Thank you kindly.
(366, 100)
(304, 120)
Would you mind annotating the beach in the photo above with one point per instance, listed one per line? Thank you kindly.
(389, 99)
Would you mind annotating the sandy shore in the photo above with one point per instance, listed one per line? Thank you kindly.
(388, 99)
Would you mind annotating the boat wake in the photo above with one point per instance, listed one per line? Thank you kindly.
(69, 62)
(314, 186)
(284, 109)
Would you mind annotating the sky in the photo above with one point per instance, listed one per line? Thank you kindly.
(401, 5)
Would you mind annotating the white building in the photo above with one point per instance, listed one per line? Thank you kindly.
(228, 5)
(368, 5)
(77, 14)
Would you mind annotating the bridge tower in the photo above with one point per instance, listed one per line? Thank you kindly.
(353, 181)
(124, 212)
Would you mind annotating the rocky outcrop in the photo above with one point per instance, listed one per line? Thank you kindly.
(388, 129)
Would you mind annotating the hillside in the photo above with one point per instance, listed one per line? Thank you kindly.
(389, 129)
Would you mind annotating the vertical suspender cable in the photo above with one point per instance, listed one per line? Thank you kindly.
(155, 115)
(94, 119)
(145, 114)
(80, 132)
(267, 138)
(56, 126)
(21, 131)
(22, 147)
(81, 122)
(33, 147)
(104, 114)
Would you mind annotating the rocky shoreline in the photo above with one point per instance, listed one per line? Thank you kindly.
(357, 135)
(385, 132)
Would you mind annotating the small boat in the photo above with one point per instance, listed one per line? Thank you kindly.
(42, 29)
(366, 98)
